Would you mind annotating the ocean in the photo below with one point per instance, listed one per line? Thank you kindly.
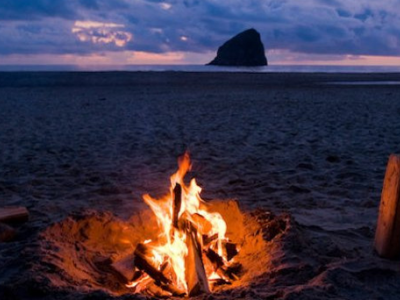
(203, 68)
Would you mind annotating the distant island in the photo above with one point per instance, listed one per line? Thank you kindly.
(244, 49)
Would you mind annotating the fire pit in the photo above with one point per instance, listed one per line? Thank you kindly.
(182, 246)
(191, 253)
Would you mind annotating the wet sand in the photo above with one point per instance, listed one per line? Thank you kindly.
(291, 143)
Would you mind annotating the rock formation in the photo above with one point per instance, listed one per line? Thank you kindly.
(244, 49)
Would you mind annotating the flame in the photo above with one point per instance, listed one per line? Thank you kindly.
(171, 246)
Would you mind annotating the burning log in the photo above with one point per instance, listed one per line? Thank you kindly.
(218, 265)
(142, 255)
(173, 290)
(387, 235)
(234, 270)
(220, 268)
(198, 222)
(13, 214)
(215, 259)
(142, 283)
(177, 204)
(156, 291)
(202, 224)
(142, 262)
(209, 239)
(219, 281)
(195, 274)
(147, 284)
(231, 250)
(187, 229)
(124, 268)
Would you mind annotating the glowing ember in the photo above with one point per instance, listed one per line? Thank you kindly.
(191, 253)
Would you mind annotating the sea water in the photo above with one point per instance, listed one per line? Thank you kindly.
(204, 68)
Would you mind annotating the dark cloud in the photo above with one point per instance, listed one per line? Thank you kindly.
(90, 4)
(343, 13)
(343, 27)
(35, 9)
(367, 13)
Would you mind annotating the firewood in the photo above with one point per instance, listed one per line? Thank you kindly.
(13, 214)
(142, 262)
(7, 233)
(218, 263)
(197, 221)
(195, 274)
(234, 271)
(231, 250)
(202, 224)
(387, 235)
(124, 268)
(173, 290)
(209, 239)
(177, 204)
(167, 270)
(219, 281)
(156, 291)
(214, 258)
(143, 282)
(219, 266)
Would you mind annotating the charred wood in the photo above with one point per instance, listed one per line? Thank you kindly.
(142, 262)
(214, 258)
(220, 268)
(209, 239)
(231, 250)
(177, 204)
(156, 291)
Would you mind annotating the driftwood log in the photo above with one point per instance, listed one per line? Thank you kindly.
(387, 235)
(13, 214)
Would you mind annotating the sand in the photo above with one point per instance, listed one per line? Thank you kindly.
(71, 143)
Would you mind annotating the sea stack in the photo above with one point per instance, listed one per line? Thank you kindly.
(244, 49)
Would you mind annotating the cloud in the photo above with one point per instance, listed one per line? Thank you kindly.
(36, 9)
(315, 27)
(101, 33)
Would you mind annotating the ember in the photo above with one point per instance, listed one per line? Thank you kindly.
(191, 253)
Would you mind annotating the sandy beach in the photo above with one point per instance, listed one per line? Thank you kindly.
(299, 145)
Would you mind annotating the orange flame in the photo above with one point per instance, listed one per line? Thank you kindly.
(171, 245)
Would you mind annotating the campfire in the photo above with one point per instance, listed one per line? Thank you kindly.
(191, 254)
(180, 246)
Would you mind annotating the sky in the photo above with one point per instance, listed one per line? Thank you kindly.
(119, 32)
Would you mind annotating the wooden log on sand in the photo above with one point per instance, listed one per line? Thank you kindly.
(387, 235)
(124, 268)
(7, 233)
(13, 214)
